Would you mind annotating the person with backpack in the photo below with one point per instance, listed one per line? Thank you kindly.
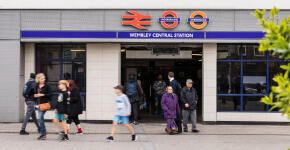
(134, 92)
(75, 108)
(176, 89)
(188, 97)
(30, 103)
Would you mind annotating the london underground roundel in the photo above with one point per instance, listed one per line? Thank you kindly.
(198, 20)
(169, 20)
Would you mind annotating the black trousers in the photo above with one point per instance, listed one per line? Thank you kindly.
(178, 120)
(74, 119)
(134, 111)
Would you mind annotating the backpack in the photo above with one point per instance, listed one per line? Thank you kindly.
(28, 87)
(131, 88)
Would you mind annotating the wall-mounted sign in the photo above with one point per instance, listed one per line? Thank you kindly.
(198, 20)
(169, 20)
(136, 20)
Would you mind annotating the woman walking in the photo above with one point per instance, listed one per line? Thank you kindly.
(42, 94)
(61, 109)
(75, 107)
(169, 103)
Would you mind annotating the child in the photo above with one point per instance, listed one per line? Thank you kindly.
(169, 103)
(61, 110)
(122, 114)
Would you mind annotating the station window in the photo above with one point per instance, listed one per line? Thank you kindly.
(63, 61)
(244, 75)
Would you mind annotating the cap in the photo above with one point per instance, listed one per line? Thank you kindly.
(189, 81)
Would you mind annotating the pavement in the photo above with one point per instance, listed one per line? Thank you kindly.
(151, 137)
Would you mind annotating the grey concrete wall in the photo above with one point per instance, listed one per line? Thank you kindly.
(10, 81)
(110, 20)
(11, 106)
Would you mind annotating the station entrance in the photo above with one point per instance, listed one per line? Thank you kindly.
(147, 61)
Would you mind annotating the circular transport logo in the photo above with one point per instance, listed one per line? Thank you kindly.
(198, 20)
(169, 20)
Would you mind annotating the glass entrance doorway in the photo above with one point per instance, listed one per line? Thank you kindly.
(148, 62)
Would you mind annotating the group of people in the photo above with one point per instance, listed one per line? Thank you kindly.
(39, 99)
(178, 105)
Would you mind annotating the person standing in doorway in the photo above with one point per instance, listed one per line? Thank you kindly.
(189, 97)
(170, 108)
(28, 92)
(75, 107)
(176, 89)
(134, 93)
(122, 114)
(42, 93)
(159, 88)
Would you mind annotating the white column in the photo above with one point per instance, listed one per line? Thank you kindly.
(209, 81)
(29, 59)
(103, 73)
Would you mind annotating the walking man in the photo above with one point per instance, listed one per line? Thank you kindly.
(189, 99)
(28, 94)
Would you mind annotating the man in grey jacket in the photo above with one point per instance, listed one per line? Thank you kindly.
(188, 96)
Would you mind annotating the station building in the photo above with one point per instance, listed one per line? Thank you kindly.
(99, 45)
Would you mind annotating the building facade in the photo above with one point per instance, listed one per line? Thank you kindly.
(99, 47)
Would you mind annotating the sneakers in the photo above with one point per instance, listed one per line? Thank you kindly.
(110, 139)
(23, 132)
(195, 130)
(135, 122)
(80, 131)
(42, 137)
(134, 137)
(64, 137)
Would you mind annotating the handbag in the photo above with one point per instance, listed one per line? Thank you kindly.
(44, 106)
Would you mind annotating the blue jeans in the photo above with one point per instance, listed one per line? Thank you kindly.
(40, 118)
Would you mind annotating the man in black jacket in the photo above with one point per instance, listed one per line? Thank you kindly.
(189, 99)
(28, 93)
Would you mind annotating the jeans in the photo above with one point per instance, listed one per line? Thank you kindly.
(40, 117)
(189, 114)
(30, 112)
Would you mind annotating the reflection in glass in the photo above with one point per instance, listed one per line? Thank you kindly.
(253, 103)
(227, 52)
(254, 78)
(228, 77)
(228, 103)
